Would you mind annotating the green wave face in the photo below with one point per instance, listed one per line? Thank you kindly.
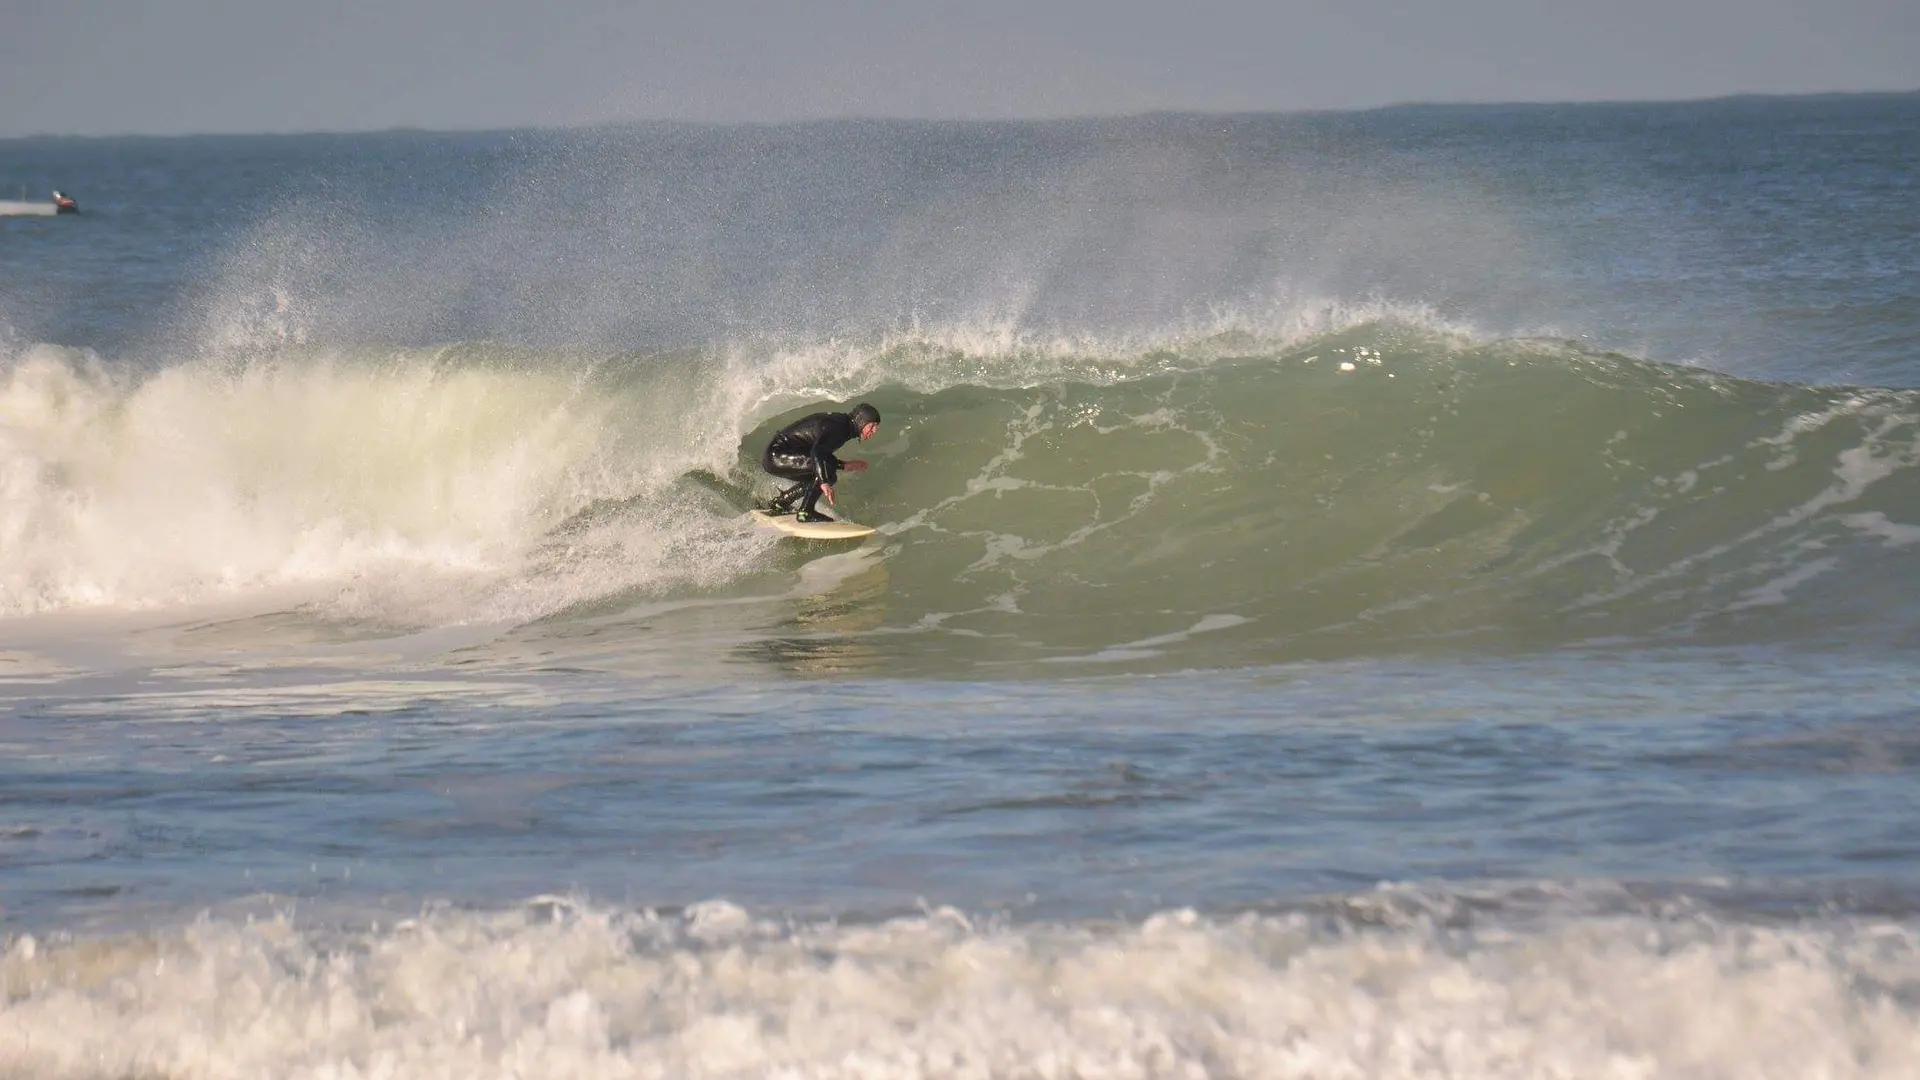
(1358, 496)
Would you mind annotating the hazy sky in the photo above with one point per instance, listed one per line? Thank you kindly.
(167, 66)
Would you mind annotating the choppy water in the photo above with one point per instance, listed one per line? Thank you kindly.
(1416, 593)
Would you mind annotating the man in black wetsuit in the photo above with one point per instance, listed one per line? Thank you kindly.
(803, 452)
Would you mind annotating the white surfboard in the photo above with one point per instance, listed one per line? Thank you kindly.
(811, 530)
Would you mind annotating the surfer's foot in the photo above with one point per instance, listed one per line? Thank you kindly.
(810, 517)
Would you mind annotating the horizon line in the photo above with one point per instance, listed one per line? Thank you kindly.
(1063, 118)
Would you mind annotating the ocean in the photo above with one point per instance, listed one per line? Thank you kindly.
(1427, 592)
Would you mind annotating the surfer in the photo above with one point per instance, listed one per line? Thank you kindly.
(64, 204)
(803, 452)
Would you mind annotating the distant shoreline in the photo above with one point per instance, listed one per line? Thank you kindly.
(1819, 97)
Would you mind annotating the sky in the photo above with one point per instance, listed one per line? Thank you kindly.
(101, 67)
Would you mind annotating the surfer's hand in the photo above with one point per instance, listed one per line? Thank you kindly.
(827, 490)
(854, 466)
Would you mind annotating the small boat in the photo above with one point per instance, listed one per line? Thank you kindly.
(62, 204)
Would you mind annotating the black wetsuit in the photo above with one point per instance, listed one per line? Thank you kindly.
(803, 452)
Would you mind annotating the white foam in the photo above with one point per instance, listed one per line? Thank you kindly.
(406, 490)
(1893, 534)
(1779, 590)
(565, 990)
(1888, 447)
(1151, 646)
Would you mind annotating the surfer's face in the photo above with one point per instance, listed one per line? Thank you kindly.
(867, 429)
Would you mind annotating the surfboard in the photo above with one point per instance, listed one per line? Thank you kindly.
(811, 530)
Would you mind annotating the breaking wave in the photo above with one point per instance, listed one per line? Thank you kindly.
(1350, 485)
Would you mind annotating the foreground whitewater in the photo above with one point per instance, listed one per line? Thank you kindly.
(1387, 986)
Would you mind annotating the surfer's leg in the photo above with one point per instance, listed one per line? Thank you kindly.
(783, 502)
(787, 467)
(806, 511)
